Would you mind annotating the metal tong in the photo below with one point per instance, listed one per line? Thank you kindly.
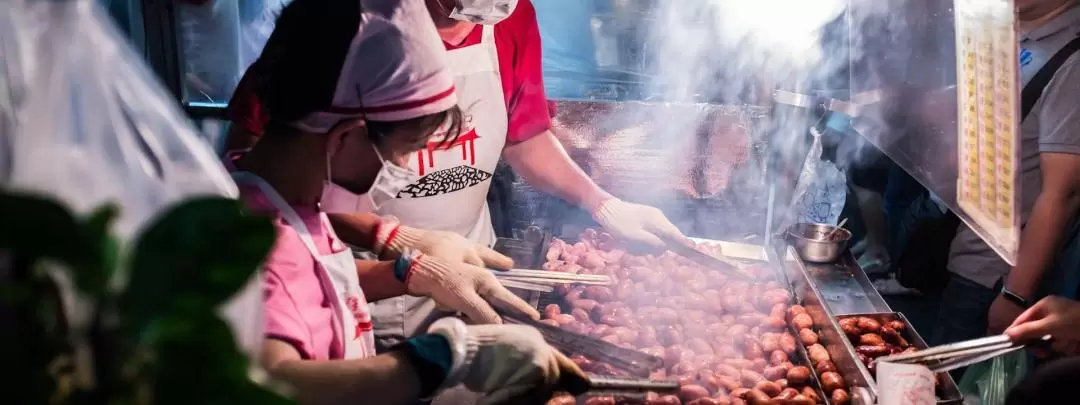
(629, 388)
(635, 362)
(543, 280)
(962, 354)
(724, 265)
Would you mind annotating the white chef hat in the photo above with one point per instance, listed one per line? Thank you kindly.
(395, 68)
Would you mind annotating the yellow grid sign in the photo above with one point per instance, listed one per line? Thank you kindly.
(987, 71)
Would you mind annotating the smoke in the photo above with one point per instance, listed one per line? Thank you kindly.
(723, 48)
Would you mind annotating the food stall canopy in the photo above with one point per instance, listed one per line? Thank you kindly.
(935, 87)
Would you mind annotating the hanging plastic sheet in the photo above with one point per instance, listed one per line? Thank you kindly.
(84, 121)
(934, 87)
(218, 40)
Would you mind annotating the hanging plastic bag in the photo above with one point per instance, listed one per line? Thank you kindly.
(989, 382)
(84, 121)
(825, 197)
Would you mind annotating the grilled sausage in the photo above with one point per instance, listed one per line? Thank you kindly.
(692, 392)
(840, 397)
(868, 325)
(798, 375)
(872, 339)
(562, 399)
(787, 343)
(808, 337)
(600, 401)
(802, 321)
(768, 387)
(824, 366)
(872, 351)
(831, 381)
(811, 394)
(818, 354)
(757, 397)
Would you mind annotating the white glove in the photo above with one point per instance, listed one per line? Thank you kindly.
(636, 223)
(448, 246)
(506, 362)
(463, 287)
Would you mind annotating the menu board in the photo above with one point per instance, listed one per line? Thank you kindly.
(988, 119)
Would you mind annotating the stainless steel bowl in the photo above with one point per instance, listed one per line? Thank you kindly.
(809, 242)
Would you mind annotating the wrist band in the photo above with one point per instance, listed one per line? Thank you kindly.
(382, 248)
(430, 357)
(401, 267)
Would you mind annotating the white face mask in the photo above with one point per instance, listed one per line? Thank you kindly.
(389, 181)
(487, 12)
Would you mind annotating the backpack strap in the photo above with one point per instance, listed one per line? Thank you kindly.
(1034, 89)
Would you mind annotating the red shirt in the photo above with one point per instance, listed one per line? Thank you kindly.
(517, 40)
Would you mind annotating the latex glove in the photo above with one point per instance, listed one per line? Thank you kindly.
(507, 363)
(461, 287)
(394, 238)
(1054, 316)
(636, 223)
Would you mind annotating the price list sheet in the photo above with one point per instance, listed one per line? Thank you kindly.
(987, 97)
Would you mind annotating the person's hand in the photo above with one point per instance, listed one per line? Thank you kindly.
(462, 287)
(1055, 316)
(507, 363)
(448, 246)
(1002, 314)
(636, 223)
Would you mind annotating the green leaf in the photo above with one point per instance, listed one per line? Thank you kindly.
(197, 362)
(195, 257)
(36, 227)
(103, 250)
(39, 227)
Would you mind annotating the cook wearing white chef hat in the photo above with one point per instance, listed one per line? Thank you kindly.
(376, 89)
(493, 50)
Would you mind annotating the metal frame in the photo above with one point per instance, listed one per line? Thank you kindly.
(165, 56)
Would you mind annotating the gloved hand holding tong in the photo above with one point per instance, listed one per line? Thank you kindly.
(451, 270)
(506, 363)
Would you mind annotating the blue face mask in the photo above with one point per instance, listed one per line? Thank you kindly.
(839, 122)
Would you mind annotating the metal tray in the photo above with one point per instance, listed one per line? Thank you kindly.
(739, 251)
(860, 386)
(947, 391)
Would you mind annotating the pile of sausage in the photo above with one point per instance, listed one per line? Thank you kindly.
(872, 339)
(727, 341)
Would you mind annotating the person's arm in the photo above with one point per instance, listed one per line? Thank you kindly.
(535, 154)
(378, 281)
(543, 163)
(1059, 199)
(1055, 209)
(384, 379)
(357, 229)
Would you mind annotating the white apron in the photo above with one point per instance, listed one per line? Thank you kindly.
(451, 194)
(352, 322)
(457, 179)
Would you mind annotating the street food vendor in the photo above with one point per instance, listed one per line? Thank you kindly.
(985, 293)
(354, 126)
(494, 52)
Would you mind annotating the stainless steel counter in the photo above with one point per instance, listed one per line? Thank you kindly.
(843, 286)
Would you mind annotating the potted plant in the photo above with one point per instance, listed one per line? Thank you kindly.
(146, 329)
